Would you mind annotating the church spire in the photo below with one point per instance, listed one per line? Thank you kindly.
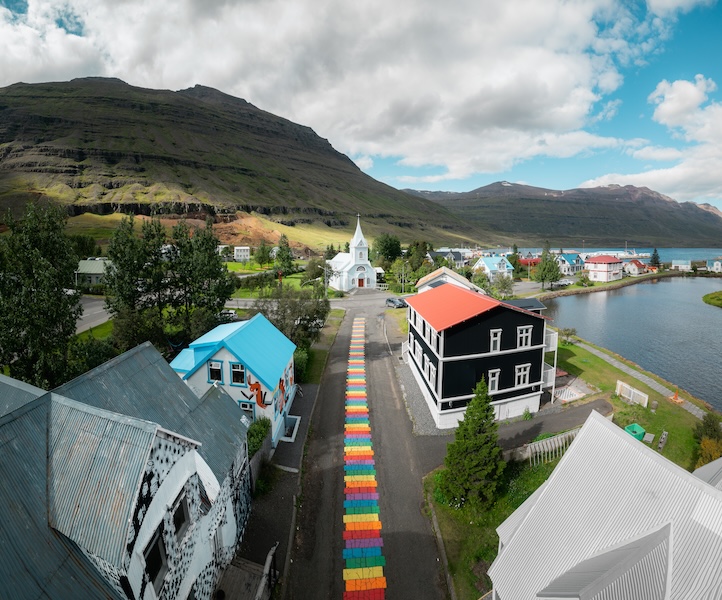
(358, 240)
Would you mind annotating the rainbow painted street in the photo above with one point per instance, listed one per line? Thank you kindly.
(363, 546)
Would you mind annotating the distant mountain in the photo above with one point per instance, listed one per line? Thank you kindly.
(101, 145)
(600, 216)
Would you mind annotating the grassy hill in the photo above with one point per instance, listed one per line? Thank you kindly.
(102, 146)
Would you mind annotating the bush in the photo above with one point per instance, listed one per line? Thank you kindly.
(300, 362)
(257, 432)
(527, 414)
(708, 428)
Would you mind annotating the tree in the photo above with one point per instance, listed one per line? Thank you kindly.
(330, 252)
(387, 247)
(417, 252)
(298, 314)
(548, 269)
(263, 254)
(474, 463)
(481, 279)
(503, 286)
(515, 261)
(568, 334)
(284, 257)
(38, 308)
(123, 272)
(654, 260)
(85, 245)
(709, 449)
(708, 428)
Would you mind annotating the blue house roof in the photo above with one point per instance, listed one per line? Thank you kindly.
(256, 343)
(496, 263)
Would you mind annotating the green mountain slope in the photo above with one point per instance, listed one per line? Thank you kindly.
(101, 145)
(602, 216)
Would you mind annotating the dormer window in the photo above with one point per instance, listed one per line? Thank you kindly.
(156, 562)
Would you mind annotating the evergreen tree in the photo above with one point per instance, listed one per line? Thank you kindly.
(38, 309)
(515, 260)
(284, 256)
(654, 260)
(474, 463)
(548, 268)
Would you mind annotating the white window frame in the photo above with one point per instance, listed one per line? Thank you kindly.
(432, 375)
(238, 368)
(524, 336)
(180, 506)
(418, 352)
(211, 367)
(494, 380)
(495, 340)
(521, 375)
(157, 581)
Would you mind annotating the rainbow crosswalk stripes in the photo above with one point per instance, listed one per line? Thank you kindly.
(364, 562)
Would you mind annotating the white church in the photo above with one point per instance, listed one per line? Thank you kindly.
(352, 269)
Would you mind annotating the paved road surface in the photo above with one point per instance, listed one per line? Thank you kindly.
(412, 567)
(94, 313)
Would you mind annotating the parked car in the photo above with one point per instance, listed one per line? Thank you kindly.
(228, 316)
(565, 282)
(396, 302)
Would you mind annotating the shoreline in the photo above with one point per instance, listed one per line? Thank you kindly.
(627, 281)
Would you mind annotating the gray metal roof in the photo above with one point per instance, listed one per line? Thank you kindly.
(711, 473)
(14, 394)
(97, 459)
(35, 560)
(93, 267)
(527, 303)
(608, 490)
(140, 383)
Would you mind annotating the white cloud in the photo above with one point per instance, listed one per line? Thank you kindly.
(684, 107)
(472, 87)
(364, 162)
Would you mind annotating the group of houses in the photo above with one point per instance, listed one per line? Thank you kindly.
(133, 480)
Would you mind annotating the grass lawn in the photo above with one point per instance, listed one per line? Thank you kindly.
(398, 316)
(715, 299)
(681, 447)
(470, 537)
(319, 351)
(294, 281)
(101, 332)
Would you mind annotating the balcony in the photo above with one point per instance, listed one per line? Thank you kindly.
(548, 376)
(551, 341)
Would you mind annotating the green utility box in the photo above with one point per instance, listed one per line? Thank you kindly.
(635, 430)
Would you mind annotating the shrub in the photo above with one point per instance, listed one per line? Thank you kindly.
(257, 432)
(527, 414)
(709, 450)
(708, 428)
(300, 362)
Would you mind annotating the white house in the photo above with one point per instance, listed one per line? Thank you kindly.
(148, 503)
(715, 265)
(569, 263)
(253, 362)
(352, 269)
(682, 265)
(494, 266)
(604, 268)
(635, 268)
(445, 275)
(632, 526)
(241, 253)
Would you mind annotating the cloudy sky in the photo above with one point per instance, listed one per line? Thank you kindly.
(421, 93)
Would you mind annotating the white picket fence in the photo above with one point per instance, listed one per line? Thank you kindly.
(549, 449)
(628, 393)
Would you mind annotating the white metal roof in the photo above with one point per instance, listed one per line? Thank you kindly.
(607, 491)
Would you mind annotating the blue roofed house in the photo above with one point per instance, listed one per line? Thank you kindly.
(148, 500)
(684, 265)
(494, 266)
(715, 265)
(569, 263)
(253, 362)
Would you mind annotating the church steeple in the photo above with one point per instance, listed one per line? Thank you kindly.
(358, 241)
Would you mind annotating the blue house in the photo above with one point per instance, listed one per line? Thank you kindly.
(715, 265)
(569, 263)
(253, 362)
(494, 266)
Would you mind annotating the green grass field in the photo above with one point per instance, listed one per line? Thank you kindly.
(715, 299)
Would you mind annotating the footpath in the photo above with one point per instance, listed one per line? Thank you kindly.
(646, 379)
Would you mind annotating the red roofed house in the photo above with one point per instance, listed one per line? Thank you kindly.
(635, 267)
(456, 337)
(603, 268)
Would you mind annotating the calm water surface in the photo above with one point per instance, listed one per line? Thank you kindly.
(661, 325)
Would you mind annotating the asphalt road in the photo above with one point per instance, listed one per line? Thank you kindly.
(94, 313)
(413, 569)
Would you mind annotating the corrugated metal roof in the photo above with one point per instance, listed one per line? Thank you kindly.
(140, 383)
(35, 560)
(14, 394)
(711, 473)
(256, 343)
(97, 459)
(439, 277)
(608, 489)
(92, 267)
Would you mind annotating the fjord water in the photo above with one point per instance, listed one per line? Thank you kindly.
(662, 325)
